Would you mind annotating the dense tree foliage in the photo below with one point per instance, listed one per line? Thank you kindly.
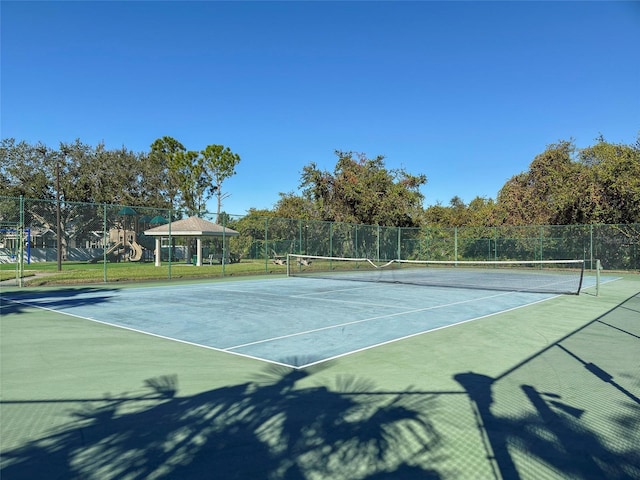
(291, 205)
(168, 176)
(563, 185)
(614, 187)
(479, 212)
(598, 184)
(546, 193)
(360, 190)
(26, 170)
(82, 173)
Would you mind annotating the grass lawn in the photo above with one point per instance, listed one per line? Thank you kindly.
(46, 273)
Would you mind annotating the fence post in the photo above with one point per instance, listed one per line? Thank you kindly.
(540, 236)
(300, 237)
(104, 243)
(266, 244)
(591, 247)
(223, 259)
(455, 244)
(20, 258)
(356, 244)
(426, 243)
(331, 239)
(495, 243)
(170, 242)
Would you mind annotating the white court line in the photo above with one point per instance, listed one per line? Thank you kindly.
(353, 302)
(370, 319)
(371, 286)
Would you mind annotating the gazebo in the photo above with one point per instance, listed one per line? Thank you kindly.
(189, 227)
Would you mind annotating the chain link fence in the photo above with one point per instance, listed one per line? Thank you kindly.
(102, 235)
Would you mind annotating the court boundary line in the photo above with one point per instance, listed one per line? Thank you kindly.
(274, 362)
(551, 297)
(151, 334)
(442, 327)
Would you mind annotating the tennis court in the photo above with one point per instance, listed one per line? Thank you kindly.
(294, 322)
(320, 378)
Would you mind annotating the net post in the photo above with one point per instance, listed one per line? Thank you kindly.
(288, 264)
(581, 277)
(598, 268)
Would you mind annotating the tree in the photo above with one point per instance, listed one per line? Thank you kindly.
(614, 181)
(164, 159)
(26, 170)
(291, 205)
(168, 176)
(219, 163)
(601, 184)
(189, 177)
(544, 194)
(251, 242)
(362, 190)
(100, 175)
(189, 174)
(86, 173)
(458, 212)
(437, 214)
(482, 212)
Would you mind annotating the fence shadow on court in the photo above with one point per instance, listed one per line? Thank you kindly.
(551, 432)
(56, 299)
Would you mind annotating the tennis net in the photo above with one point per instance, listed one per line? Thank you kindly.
(542, 276)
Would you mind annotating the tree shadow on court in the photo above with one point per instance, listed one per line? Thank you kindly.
(277, 427)
(269, 428)
(552, 431)
(58, 299)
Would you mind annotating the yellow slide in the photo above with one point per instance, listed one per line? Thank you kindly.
(136, 252)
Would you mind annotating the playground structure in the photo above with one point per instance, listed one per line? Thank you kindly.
(123, 247)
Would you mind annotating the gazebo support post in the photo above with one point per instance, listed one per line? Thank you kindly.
(199, 251)
(158, 251)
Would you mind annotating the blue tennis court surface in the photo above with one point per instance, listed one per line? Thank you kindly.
(289, 321)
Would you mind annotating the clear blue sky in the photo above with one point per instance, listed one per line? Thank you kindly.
(467, 93)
